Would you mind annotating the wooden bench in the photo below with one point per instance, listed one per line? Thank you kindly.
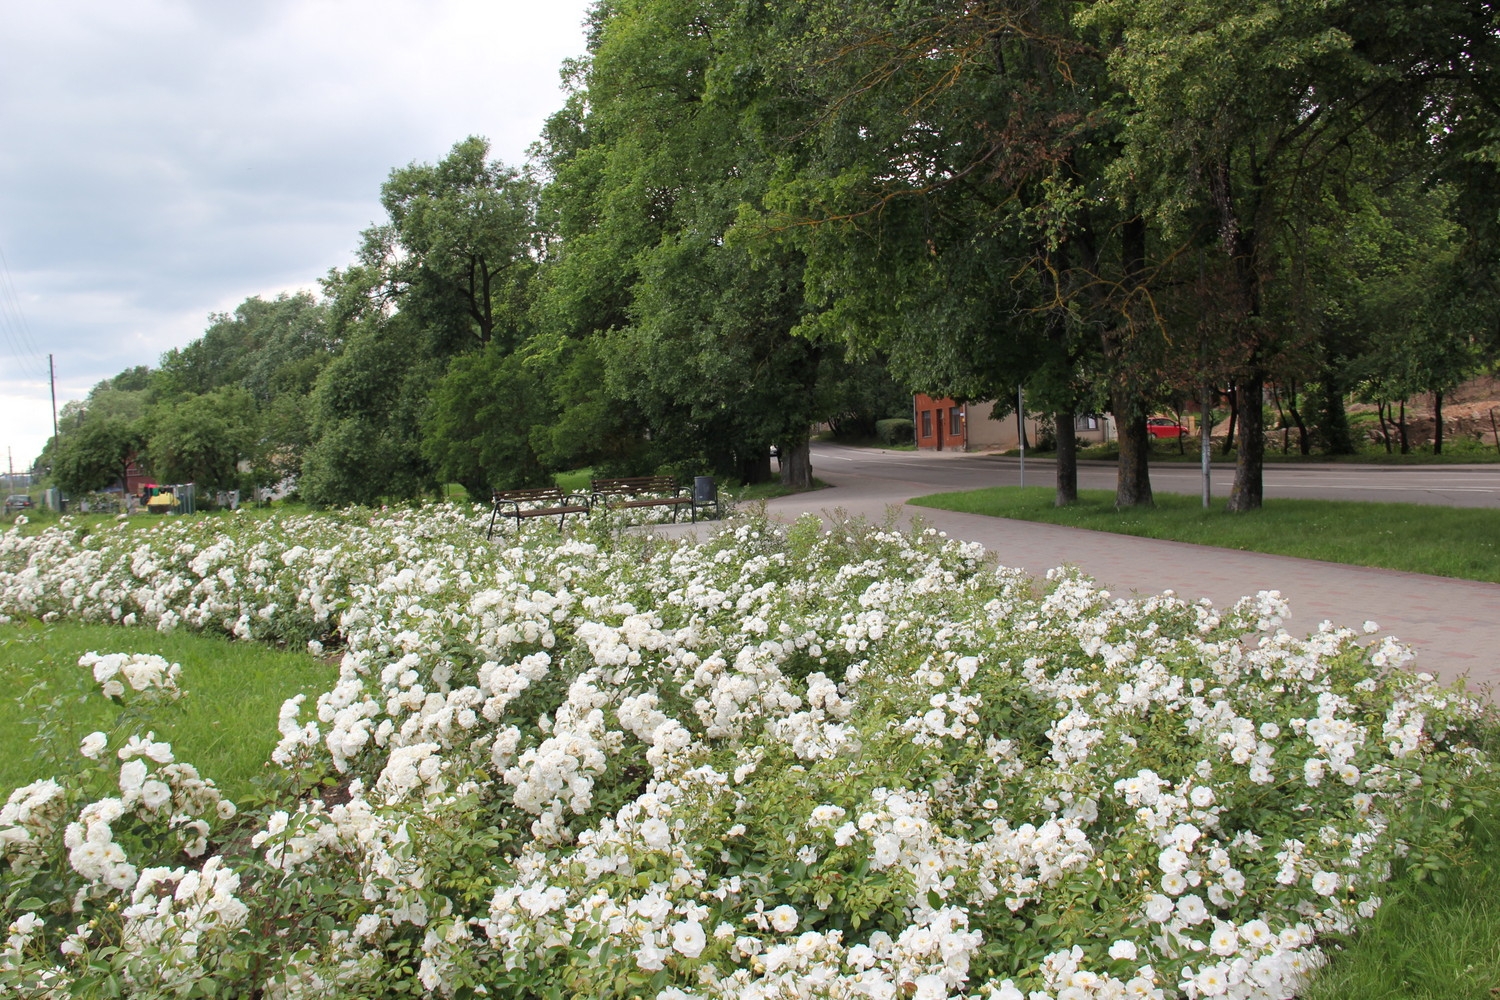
(538, 502)
(644, 491)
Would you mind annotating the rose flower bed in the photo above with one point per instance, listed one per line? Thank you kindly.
(784, 762)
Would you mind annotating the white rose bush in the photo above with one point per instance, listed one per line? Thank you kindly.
(783, 762)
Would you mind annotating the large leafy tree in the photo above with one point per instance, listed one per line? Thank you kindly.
(448, 273)
(947, 185)
(205, 439)
(100, 436)
(272, 351)
(1241, 122)
(367, 410)
(650, 167)
(458, 249)
(488, 414)
(95, 454)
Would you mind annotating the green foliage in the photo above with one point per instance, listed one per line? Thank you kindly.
(203, 439)
(95, 453)
(366, 413)
(462, 232)
(898, 430)
(759, 217)
(485, 413)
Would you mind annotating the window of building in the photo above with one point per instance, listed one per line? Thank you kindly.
(955, 422)
(927, 423)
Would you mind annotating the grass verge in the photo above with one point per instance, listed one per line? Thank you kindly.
(1166, 451)
(1437, 935)
(224, 724)
(1442, 541)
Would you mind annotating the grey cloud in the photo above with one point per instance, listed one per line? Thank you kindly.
(164, 160)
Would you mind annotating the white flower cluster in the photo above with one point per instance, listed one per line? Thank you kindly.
(140, 672)
(177, 918)
(781, 762)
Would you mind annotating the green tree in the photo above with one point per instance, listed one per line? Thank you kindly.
(204, 439)
(448, 273)
(460, 247)
(98, 436)
(271, 350)
(1241, 118)
(367, 409)
(946, 183)
(487, 411)
(649, 172)
(96, 454)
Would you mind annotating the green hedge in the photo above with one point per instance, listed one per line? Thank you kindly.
(897, 430)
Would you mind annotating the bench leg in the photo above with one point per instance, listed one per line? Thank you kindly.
(491, 533)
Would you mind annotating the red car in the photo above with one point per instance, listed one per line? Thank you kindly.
(1165, 427)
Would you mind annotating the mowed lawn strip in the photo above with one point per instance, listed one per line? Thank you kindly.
(1461, 542)
(224, 724)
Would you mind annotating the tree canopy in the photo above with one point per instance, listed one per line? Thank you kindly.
(749, 218)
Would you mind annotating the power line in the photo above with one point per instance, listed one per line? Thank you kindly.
(15, 330)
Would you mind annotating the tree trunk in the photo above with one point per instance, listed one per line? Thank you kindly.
(754, 468)
(1437, 419)
(1067, 459)
(1133, 481)
(1248, 491)
(796, 463)
(1281, 421)
(1385, 430)
(1401, 427)
(1337, 439)
(1304, 444)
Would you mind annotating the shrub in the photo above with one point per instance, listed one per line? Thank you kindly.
(782, 762)
(897, 430)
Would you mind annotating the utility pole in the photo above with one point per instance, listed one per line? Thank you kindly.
(1021, 428)
(52, 374)
(1205, 442)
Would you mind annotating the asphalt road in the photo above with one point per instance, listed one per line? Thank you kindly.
(1452, 625)
(1447, 485)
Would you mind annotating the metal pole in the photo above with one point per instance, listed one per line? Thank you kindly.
(1205, 425)
(52, 377)
(1021, 428)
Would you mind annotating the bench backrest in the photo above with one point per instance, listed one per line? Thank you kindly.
(531, 495)
(636, 484)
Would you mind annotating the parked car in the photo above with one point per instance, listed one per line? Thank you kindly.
(1165, 427)
(18, 501)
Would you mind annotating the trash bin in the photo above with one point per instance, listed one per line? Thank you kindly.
(705, 494)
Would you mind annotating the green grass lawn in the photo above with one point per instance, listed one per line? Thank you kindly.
(1418, 538)
(1437, 935)
(225, 723)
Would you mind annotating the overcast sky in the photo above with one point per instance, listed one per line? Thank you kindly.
(161, 161)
